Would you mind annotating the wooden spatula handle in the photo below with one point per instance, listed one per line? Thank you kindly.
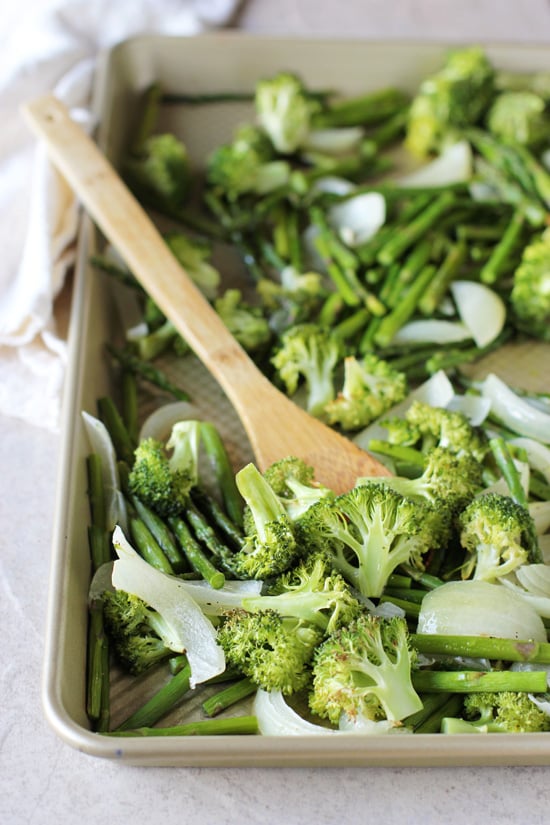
(124, 222)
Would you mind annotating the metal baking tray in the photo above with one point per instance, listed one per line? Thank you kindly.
(229, 62)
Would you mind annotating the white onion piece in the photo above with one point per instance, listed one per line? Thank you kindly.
(540, 513)
(535, 578)
(192, 632)
(431, 330)
(514, 411)
(544, 547)
(538, 455)
(437, 391)
(479, 608)
(101, 581)
(481, 310)
(101, 443)
(160, 422)
(454, 165)
(335, 141)
(276, 718)
(333, 185)
(475, 408)
(359, 217)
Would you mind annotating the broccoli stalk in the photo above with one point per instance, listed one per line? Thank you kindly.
(364, 671)
(500, 712)
(310, 592)
(269, 546)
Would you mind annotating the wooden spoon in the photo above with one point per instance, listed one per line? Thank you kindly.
(275, 425)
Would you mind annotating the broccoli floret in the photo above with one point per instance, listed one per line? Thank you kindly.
(294, 299)
(269, 545)
(456, 96)
(194, 254)
(364, 671)
(312, 353)
(246, 322)
(496, 532)
(371, 386)
(505, 712)
(447, 479)
(425, 427)
(162, 475)
(312, 592)
(530, 296)
(273, 651)
(519, 117)
(246, 165)
(293, 481)
(371, 530)
(160, 173)
(137, 631)
(284, 110)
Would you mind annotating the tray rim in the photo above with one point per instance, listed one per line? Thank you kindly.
(229, 751)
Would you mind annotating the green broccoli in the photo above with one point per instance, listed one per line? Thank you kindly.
(364, 671)
(496, 533)
(137, 631)
(269, 545)
(246, 322)
(160, 173)
(294, 299)
(284, 109)
(293, 482)
(371, 387)
(246, 165)
(519, 117)
(369, 531)
(313, 593)
(454, 97)
(162, 475)
(530, 296)
(273, 651)
(194, 254)
(447, 479)
(425, 427)
(500, 712)
(313, 353)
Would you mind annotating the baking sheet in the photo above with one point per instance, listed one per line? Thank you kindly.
(229, 62)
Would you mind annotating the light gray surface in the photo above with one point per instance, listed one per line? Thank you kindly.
(44, 780)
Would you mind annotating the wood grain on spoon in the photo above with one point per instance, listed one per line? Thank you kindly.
(275, 425)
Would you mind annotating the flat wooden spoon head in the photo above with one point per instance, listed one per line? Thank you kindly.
(275, 425)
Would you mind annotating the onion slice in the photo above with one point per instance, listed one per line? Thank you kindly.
(358, 217)
(101, 443)
(479, 608)
(481, 310)
(514, 411)
(432, 331)
(454, 165)
(192, 631)
(160, 422)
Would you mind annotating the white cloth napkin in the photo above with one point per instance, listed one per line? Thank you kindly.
(51, 46)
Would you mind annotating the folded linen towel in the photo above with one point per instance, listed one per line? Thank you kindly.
(51, 46)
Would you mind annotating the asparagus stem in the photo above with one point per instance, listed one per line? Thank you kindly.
(98, 665)
(397, 451)
(148, 547)
(482, 647)
(148, 372)
(195, 555)
(96, 493)
(478, 681)
(505, 463)
(410, 608)
(205, 534)
(403, 240)
(367, 109)
(401, 313)
(130, 416)
(211, 510)
(239, 725)
(162, 536)
(439, 284)
(228, 696)
(451, 706)
(161, 703)
(109, 414)
(223, 471)
(500, 255)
